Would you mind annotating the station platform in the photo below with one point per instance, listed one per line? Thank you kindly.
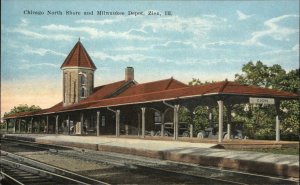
(206, 153)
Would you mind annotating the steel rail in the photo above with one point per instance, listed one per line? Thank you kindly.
(45, 168)
(35, 145)
(39, 172)
(9, 179)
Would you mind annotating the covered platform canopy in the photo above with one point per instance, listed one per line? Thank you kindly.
(162, 95)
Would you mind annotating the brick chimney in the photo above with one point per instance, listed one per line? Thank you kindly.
(129, 74)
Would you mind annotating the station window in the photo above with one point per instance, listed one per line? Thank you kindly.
(157, 117)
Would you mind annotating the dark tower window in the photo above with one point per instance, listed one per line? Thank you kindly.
(82, 78)
(82, 92)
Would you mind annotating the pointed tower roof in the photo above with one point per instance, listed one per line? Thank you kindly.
(78, 57)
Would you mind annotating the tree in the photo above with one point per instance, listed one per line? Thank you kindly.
(260, 75)
(260, 121)
(22, 108)
(196, 81)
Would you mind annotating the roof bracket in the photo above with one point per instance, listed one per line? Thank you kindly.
(108, 108)
(167, 104)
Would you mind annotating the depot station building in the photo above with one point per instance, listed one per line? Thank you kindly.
(128, 108)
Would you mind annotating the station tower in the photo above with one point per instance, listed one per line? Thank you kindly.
(78, 75)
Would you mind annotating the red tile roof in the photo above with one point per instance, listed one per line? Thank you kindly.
(78, 57)
(229, 88)
(224, 87)
(153, 87)
(141, 94)
(104, 91)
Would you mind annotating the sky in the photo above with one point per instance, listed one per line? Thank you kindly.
(209, 40)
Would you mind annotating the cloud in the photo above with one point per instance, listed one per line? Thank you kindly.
(58, 27)
(41, 51)
(296, 48)
(198, 26)
(101, 22)
(137, 31)
(24, 22)
(176, 45)
(223, 43)
(273, 30)
(242, 16)
(207, 62)
(276, 52)
(35, 35)
(220, 44)
(28, 65)
(122, 58)
(26, 49)
(132, 48)
(94, 33)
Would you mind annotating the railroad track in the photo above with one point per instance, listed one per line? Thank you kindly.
(203, 175)
(209, 175)
(20, 170)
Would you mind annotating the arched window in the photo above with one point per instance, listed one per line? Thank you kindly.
(82, 92)
(82, 78)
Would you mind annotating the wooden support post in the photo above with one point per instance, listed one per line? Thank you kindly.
(98, 123)
(81, 123)
(39, 125)
(210, 117)
(221, 110)
(20, 120)
(174, 124)
(69, 125)
(192, 120)
(117, 123)
(277, 127)
(229, 109)
(56, 124)
(143, 121)
(7, 125)
(26, 126)
(47, 124)
(31, 124)
(63, 126)
(139, 124)
(162, 123)
(176, 120)
(191, 130)
(14, 129)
